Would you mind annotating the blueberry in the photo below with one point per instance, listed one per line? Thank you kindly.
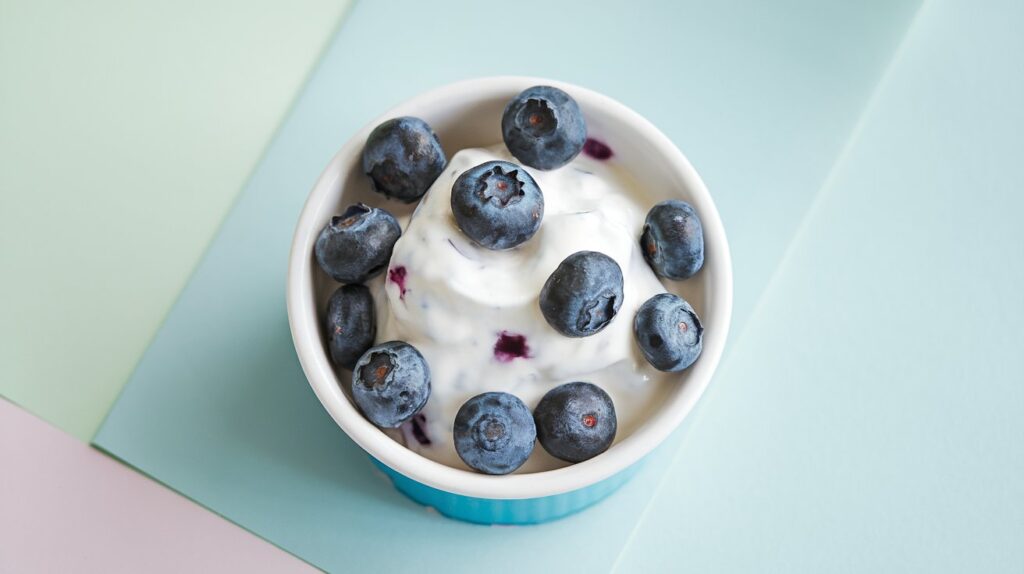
(391, 383)
(403, 157)
(351, 325)
(494, 433)
(357, 244)
(673, 240)
(543, 127)
(669, 332)
(575, 421)
(497, 204)
(583, 294)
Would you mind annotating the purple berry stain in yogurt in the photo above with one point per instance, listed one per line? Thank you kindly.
(511, 346)
(597, 149)
(397, 276)
(418, 431)
(415, 429)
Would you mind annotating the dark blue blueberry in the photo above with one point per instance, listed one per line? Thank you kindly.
(403, 157)
(357, 244)
(391, 383)
(583, 294)
(575, 421)
(673, 240)
(351, 324)
(497, 204)
(543, 127)
(668, 332)
(494, 433)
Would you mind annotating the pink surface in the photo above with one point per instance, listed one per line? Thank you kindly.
(65, 507)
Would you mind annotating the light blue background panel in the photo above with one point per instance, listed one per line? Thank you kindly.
(872, 416)
(761, 98)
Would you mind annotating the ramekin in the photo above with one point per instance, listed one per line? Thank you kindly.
(468, 114)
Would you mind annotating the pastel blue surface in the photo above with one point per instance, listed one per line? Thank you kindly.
(872, 417)
(513, 511)
(761, 98)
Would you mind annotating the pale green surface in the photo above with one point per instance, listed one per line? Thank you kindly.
(126, 130)
(871, 416)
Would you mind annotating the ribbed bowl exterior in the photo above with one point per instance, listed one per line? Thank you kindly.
(506, 511)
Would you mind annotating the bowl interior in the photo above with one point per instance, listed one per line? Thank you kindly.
(467, 114)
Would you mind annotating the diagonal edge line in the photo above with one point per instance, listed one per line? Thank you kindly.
(146, 475)
(823, 192)
(318, 62)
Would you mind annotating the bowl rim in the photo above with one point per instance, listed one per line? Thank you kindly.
(303, 316)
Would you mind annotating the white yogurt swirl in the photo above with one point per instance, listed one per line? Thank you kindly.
(471, 311)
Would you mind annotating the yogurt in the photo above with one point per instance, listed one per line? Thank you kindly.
(474, 314)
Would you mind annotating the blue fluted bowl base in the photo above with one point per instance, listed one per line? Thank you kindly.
(506, 511)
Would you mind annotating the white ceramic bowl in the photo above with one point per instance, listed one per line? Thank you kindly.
(468, 114)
